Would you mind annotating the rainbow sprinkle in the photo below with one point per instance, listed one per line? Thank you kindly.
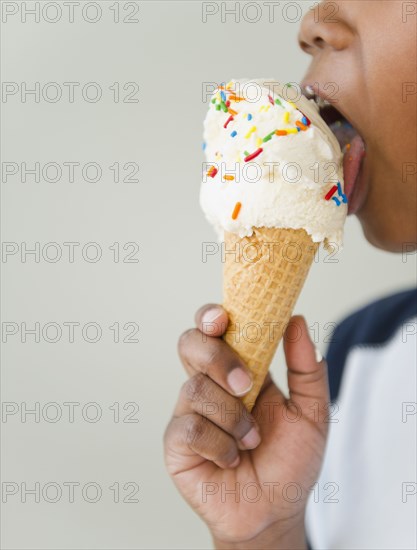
(229, 177)
(221, 101)
(300, 125)
(332, 191)
(253, 155)
(236, 210)
(305, 120)
(268, 137)
(212, 171)
(341, 196)
(253, 129)
(227, 121)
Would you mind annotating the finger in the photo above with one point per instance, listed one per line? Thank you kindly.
(269, 401)
(203, 396)
(307, 377)
(213, 357)
(191, 437)
(212, 320)
(271, 390)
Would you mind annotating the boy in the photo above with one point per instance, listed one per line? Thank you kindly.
(369, 49)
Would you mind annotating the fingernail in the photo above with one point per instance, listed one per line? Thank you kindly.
(235, 462)
(212, 315)
(251, 439)
(239, 381)
(319, 356)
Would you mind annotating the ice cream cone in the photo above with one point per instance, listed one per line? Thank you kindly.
(263, 277)
(272, 219)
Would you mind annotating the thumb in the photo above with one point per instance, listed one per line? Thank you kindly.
(307, 377)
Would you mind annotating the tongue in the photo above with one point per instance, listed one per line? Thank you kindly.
(352, 162)
(353, 147)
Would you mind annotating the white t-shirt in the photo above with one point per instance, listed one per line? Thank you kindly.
(365, 497)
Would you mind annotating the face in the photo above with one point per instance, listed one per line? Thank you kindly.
(368, 50)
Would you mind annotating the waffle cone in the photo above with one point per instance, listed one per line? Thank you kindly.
(263, 277)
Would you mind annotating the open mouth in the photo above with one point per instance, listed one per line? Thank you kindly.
(351, 143)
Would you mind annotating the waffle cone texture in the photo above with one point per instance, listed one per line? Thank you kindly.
(262, 279)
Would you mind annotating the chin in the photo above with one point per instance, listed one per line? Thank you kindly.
(382, 236)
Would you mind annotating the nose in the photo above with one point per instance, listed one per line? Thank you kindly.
(324, 28)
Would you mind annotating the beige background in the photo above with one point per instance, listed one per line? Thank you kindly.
(170, 52)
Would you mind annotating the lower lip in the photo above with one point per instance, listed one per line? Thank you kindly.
(355, 187)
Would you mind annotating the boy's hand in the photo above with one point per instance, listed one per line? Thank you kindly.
(247, 475)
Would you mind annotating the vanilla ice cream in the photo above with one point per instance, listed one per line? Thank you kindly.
(272, 161)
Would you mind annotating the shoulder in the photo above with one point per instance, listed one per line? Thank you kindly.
(372, 325)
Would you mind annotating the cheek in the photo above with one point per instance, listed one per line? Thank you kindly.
(389, 214)
(388, 76)
(392, 120)
(389, 60)
(388, 217)
(397, 138)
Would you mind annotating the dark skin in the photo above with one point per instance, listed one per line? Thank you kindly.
(371, 55)
(202, 446)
